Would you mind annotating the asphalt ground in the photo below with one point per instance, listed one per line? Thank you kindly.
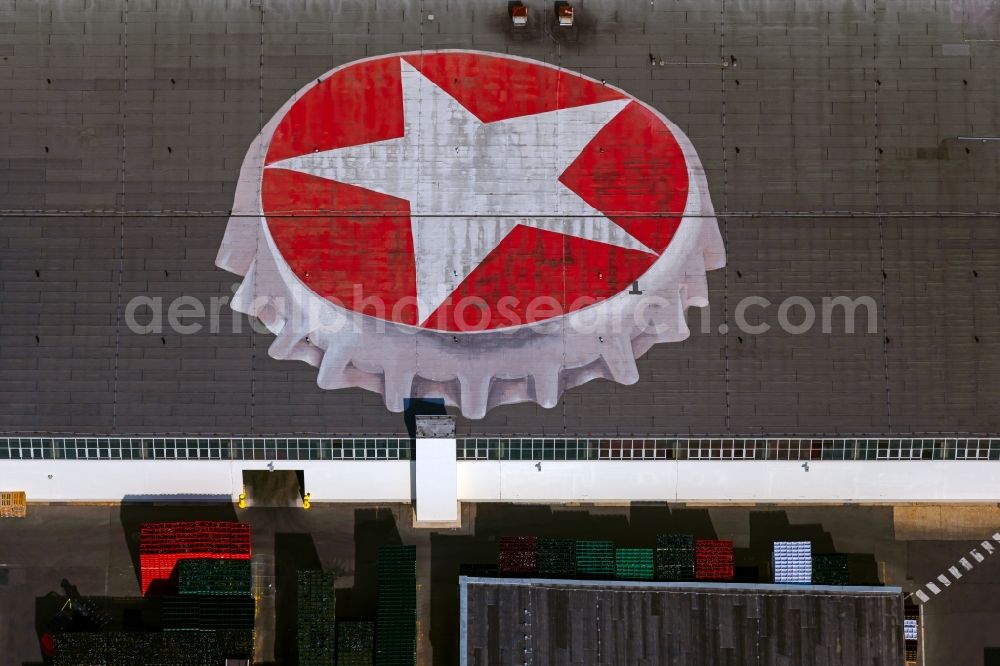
(95, 548)
(961, 622)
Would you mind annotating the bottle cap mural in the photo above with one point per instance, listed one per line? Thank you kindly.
(469, 226)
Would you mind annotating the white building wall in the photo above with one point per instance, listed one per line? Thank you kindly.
(583, 481)
(493, 481)
(114, 480)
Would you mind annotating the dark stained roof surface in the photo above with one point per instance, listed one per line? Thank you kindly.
(830, 140)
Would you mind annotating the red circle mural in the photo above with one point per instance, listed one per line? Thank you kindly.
(460, 190)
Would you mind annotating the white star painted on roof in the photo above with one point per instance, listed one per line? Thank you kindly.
(470, 183)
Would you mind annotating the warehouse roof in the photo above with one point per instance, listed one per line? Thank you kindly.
(827, 185)
(616, 622)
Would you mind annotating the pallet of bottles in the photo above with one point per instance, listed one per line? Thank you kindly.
(159, 648)
(714, 560)
(791, 562)
(356, 643)
(673, 559)
(595, 559)
(214, 576)
(208, 613)
(395, 630)
(518, 556)
(830, 569)
(634, 563)
(316, 612)
(556, 558)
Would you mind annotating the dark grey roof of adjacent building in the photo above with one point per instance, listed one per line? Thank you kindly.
(555, 622)
(833, 145)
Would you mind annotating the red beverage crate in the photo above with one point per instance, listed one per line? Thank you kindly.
(518, 543)
(518, 555)
(159, 572)
(161, 545)
(203, 536)
(714, 560)
(518, 562)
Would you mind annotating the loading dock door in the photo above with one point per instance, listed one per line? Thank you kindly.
(280, 488)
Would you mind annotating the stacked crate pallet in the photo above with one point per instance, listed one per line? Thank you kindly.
(714, 560)
(830, 569)
(316, 607)
(556, 558)
(355, 644)
(214, 577)
(792, 562)
(152, 648)
(634, 563)
(13, 504)
(911, 632)
(674, 557)
(518, 556)
(208, 613)
(396, 629)
(595, 559)
(162, 545)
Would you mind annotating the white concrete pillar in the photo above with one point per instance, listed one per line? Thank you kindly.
(436, 493)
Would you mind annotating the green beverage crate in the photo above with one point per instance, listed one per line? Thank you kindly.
(395, 630)
(634, 563)
(674, 559)
(556, 558)
(830, 569)
(316, 608)
(595, 559)
(181, 613)
(209, 576)
(151, 648)
(356, 643)
(675, 542)
(671, 566)
(208, 613)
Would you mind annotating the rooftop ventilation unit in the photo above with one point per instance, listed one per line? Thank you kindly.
(519, 14)
(565, 14)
